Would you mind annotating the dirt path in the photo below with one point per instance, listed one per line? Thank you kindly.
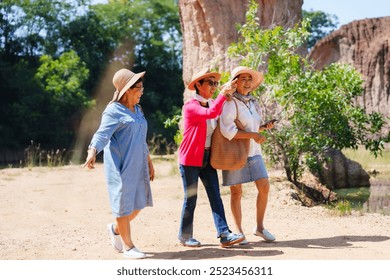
(61, 214)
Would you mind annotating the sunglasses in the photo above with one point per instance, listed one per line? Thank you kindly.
(141, 88)
(212, 83)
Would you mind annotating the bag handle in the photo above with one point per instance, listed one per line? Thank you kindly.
(239, 125)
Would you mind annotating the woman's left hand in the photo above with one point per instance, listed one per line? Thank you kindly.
(268, 125)
(91, 159)
(151, 169)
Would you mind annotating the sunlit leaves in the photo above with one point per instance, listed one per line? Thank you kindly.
(63, 78)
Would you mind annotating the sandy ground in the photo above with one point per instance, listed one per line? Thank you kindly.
(61, 214)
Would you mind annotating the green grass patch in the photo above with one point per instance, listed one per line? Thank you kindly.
(341, 207)
(344, 207)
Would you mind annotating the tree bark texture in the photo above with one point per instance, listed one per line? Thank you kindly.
(210, 26)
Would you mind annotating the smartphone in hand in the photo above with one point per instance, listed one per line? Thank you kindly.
(269, 122)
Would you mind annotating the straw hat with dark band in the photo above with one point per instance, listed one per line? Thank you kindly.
(257, 77)
(123, 80)
(202, 75)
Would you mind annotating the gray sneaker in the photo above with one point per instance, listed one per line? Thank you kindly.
(190, 242)
(265, 234)
(231, 239)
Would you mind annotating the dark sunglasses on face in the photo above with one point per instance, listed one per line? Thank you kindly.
(212, 83)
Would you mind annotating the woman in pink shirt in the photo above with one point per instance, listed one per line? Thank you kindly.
(200, 113)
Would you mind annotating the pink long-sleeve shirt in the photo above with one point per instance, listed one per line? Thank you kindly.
(191, 149)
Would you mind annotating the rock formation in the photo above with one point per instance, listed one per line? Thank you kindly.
(365, 45)
(342, 172)
(210, 26)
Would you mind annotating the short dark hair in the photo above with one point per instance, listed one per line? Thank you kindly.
(196, 88)
(137, 82)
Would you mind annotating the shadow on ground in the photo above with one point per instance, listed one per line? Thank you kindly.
(264, 249)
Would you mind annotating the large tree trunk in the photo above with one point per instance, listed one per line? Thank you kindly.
(210, 26)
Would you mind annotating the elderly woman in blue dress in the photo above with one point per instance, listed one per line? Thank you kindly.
(127, 164)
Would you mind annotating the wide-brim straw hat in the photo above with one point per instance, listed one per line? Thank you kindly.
(123, 79)
(257, 77)
(204, 73)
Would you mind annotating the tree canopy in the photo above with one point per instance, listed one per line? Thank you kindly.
(321, 24)
(52, 53)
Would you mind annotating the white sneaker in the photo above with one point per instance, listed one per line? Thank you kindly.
(134, 253)
(266, 235)
(116, 240)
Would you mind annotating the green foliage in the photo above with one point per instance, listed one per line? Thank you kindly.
(31, 29)
(174, 122)
(321, 24)
(316, 108)
(62, 82)
(63, 79)
(148, 37)
(54, 55)
(94, 43)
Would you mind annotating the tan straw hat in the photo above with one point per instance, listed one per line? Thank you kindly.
(202, 75)
(257, 77)
(123, 80)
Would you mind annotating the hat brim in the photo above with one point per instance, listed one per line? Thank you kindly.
(257, 77)
(132, 81)
(216, 75)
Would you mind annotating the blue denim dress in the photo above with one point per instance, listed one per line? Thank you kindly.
(122, 135)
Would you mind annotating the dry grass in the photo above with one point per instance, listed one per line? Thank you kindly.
(369, 161)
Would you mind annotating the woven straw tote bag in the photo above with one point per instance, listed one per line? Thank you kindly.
(228, 154)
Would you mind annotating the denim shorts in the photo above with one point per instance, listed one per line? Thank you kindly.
(253, 170)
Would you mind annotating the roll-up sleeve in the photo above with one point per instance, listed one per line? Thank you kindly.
(108, 126)
(227, 125)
